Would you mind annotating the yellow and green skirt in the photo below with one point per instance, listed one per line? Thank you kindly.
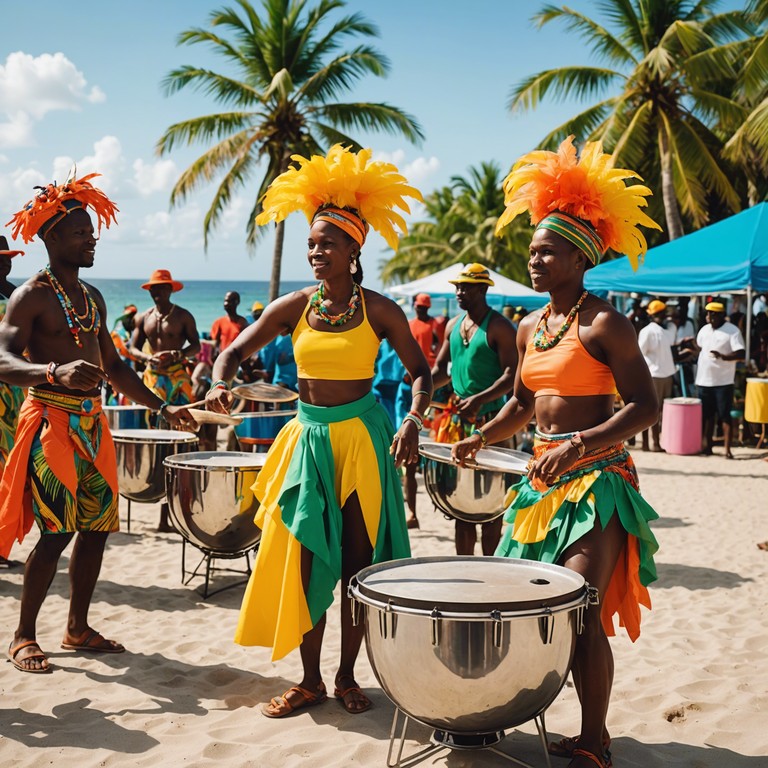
(173, 385)
(318, 460)
(543, 523)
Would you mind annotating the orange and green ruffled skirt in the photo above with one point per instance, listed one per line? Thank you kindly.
(543, 524)
(318, 460)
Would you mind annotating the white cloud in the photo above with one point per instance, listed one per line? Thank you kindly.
(179, 229)
(158, 176)
(33, 86)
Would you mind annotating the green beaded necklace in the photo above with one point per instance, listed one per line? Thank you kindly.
(542, 338)
(316, 302)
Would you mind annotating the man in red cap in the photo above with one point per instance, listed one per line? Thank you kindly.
(170, 332)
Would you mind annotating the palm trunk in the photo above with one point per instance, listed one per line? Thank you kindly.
(277, 261)
(671, 208)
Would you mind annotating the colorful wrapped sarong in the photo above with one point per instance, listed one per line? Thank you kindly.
(543, 524)
(173, 385)
(62, 470)
(318, 460)
(11, 398)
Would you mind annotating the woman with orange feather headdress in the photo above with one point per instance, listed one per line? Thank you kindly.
(331, 501)
(579, 506)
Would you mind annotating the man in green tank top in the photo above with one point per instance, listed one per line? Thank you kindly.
(481, 348)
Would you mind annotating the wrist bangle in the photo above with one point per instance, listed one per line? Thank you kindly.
(578, 443)
(483, 438)
(417, 421)
(219, 384)
(421, 392)
(162, 408)
(50, 372)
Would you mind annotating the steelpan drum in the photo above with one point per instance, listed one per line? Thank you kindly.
(210, 499)
(259, 428)
(140, 456)
(470, 645)
(474, 493)
(127, 416)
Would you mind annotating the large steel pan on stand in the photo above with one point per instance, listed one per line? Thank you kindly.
(212, 504)
(474, 493)
(140, 455)
(272, 407)
(469, 646)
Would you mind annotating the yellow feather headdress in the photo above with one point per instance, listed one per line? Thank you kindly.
(346, 180)
(587, 188)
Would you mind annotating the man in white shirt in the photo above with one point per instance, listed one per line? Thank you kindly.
(655, 343)
(720, 345)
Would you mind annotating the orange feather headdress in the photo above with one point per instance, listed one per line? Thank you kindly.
(342, 183)
(54, 202)
(589, 189)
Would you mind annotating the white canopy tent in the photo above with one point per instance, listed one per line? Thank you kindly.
(504, 290)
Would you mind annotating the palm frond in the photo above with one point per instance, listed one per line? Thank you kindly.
(371, 117)
(565, 82)
(207, 128)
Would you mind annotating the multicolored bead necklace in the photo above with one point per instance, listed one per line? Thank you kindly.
(316, 302)
(542, 338)
(88, 322)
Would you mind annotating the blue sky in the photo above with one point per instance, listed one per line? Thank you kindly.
(82, 83)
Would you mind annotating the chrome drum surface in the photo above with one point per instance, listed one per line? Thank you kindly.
(470, 645)
(140, 456)
(211, 500)
(475, 493)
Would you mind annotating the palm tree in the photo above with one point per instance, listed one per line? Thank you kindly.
(747, 144)
(666, 60)
(460, 228)
(291, 70)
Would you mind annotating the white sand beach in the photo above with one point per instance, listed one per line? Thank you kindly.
(691, 692)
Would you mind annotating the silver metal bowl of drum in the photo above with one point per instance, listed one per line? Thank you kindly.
(473, 493)
(211, 500)
(140, 456)
(470, 646)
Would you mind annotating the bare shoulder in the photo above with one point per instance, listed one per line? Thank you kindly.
(35, 290)
(381, 306)
(528, 324)
(603, 316)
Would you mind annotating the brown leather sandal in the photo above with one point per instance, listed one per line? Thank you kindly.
(341, 695)
(601, 762)
(566, 745)
(279, 706)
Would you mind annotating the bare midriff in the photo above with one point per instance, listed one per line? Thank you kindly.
(556, 414)
(329, 393)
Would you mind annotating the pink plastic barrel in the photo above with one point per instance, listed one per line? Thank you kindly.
(681, 426)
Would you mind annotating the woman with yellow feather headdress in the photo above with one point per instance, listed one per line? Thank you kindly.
(579, 505)
(331, 501)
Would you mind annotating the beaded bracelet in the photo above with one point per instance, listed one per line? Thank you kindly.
(483, 438)
(50, 372)
(415, 419)
(219, 384)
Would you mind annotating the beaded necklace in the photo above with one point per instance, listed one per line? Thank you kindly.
(88, 322)
(316, 302)
(542, 338)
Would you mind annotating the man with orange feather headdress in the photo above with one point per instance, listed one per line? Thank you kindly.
(331, 500)
(61, 472)
(580, 506)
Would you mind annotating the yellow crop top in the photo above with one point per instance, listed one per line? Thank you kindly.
(567, 369)
(336, 356)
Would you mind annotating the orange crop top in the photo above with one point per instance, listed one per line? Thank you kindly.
(340, 356)
(566, 369)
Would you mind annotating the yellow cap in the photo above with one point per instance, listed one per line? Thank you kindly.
(473, 273)
(656, 306)
(715, 306)
(257, 306)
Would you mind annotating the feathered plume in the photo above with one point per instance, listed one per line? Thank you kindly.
(589, 188)
(51, 200)
(347, 180)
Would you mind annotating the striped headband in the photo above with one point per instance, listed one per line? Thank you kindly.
(577, 231)
(345, 220)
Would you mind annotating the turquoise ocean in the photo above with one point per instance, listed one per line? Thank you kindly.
(203, 298)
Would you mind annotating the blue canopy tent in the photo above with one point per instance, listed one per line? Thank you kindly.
(730, 256)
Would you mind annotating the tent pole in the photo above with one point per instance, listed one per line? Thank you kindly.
(748, 340)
